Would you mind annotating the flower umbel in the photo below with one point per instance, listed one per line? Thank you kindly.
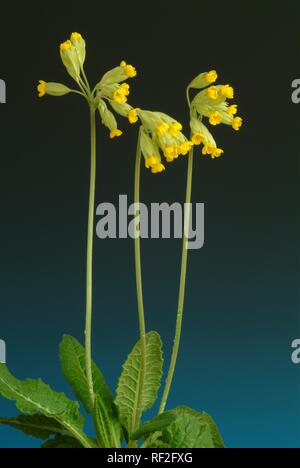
(161, 134)
(211, 103)
(111, 89)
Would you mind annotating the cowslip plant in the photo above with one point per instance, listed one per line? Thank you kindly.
(211, 103)
(117, 420)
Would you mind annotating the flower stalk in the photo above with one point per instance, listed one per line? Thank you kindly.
(181, 297)
(89, 261)
(139, 285)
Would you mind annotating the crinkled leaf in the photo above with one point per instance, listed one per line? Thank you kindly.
(187, 431)
(129, 382)
(156, 424)
(216, 436)
(35, 397)
(38, 426)
(72, 357)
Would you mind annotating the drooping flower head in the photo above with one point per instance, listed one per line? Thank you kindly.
(211, 103)
(161, 134)
(110, 90)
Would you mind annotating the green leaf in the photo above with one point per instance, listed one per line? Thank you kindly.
(72, 357)
(61, 441)
(129, 382)
(216, 436)
(38, 426)
(34, 396)
(187, 431)
(108, 427)
(156, 424)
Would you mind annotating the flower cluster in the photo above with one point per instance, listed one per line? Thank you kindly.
(110, 89)
(161, 133)
(212, 103)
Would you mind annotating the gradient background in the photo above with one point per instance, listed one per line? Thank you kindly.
(242, 298)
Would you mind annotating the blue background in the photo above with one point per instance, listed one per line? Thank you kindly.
(242, 297)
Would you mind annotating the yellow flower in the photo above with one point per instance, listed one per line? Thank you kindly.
(129, 70)
(115, 132)
(237, 123)
(175, 128)
(213, 151)
(232, 110)
(121, 92)
(162, 129)
(51, 88)
(157, 168)
(198, 138)
(171, 152)
(76, 36)
(152, 161)
(215, 118)
(227, 91)
(216, 152)
(79, 43)
(133, 116)
(211, 76)
(119, 97)
(125, 88)
(71, 59)
(65, 45)
(212, 92)
(42, 88)
(185, 147)
(207, 149)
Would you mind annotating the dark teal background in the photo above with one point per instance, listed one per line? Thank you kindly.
(242, 297)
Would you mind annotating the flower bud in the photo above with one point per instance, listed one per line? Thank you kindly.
(200, 131)
(79, 43)
(53, 89)
(107, 117)
(204, 79)
(148, 146)
(70, 59)
(117, 74)
(121, 109)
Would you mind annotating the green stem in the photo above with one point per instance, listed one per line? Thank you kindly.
(89, 263)
(181, 286)
(188, 96)
(139, 288)
(86, 80)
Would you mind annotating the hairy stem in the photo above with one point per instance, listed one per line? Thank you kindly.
(89, 263)
(181, 285)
